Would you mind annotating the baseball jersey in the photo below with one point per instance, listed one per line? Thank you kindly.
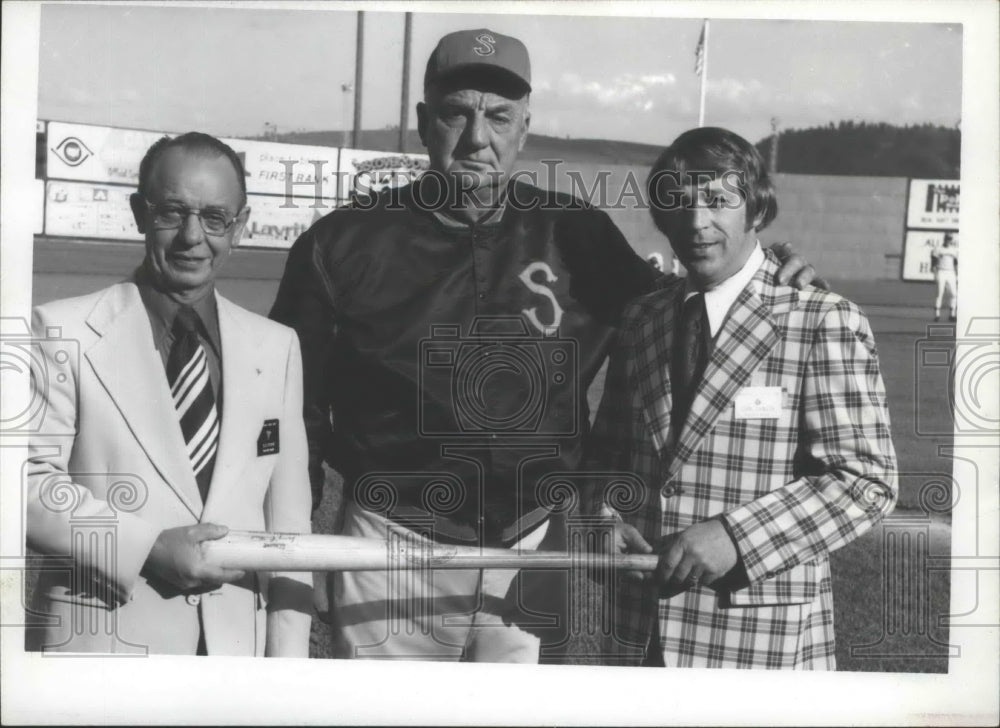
(446, 365)
(946, 258)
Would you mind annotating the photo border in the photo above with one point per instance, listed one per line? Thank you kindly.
(165, 689)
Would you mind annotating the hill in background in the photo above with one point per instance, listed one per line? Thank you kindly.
(869, 150)
(847, 148)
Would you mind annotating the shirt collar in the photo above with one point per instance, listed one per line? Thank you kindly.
(720, 299)
(493, 217)
(163, 309)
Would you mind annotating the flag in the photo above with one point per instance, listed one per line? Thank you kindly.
(699, 52)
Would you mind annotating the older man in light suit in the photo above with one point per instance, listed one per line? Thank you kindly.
(181, 419)
(756, 415)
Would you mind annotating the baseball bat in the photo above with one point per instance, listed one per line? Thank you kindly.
(261, 551)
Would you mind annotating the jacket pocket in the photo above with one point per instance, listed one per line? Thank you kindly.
(798, 585)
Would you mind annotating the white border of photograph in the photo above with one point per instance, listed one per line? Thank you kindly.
(234, 690)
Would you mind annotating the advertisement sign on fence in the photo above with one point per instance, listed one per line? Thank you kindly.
(104, 154)
(933, 204)
(917, 253)
(288, 169)
(364, 172)
(89, 210)
(96, 153)
(92, 170)
(274, 225)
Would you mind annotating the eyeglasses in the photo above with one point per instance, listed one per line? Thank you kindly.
(170, 216)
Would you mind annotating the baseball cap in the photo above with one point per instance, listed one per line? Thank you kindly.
(479, 49)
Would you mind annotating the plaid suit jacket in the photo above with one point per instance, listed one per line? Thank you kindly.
(790, 490)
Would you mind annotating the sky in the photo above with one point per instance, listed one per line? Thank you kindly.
(229, 70)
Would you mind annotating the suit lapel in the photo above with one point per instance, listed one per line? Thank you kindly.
(127, 364)
(749, 334)
(651, 354)
(240, 373)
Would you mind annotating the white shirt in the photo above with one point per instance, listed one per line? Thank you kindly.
(947, 258)
(720, 299)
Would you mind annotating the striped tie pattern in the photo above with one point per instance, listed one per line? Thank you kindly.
(191, 389)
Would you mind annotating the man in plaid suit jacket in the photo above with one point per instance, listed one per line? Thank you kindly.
(784, 453)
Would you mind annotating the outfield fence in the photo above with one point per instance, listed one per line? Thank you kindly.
(861, 228)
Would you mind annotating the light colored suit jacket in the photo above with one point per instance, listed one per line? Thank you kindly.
(790, 489)
(108, 470)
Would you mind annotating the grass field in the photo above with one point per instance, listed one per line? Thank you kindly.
(871, 636)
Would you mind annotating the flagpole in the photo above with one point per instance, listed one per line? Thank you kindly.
(704, 75)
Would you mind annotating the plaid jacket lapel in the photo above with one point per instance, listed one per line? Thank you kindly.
(651, 353)
(748, 335)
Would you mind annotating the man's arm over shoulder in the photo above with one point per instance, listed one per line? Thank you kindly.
(52, 496)
(847, 449)
(305, 303)
(606, 272)
(287, 509)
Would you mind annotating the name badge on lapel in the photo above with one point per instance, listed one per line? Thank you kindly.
(759, 403)
(267, 440)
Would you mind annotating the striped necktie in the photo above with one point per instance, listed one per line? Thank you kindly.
(191, 388)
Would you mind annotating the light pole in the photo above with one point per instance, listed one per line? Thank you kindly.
(404, 101)
(346, 88)
(359, 63)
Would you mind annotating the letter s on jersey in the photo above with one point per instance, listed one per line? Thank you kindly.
(542, 290)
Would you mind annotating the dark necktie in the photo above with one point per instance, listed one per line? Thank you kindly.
(191, 388)
(692, 347)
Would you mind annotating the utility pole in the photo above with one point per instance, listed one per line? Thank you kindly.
(701, 68)
(359, 62)
(404, 101)
(775, 131)
(346, 88)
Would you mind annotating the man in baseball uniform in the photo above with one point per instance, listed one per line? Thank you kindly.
(944, 264)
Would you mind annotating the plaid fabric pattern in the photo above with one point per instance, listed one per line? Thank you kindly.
(791, 489)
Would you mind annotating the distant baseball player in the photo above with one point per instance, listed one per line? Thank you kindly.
(450, 330)
(944, 264)
(756, 415)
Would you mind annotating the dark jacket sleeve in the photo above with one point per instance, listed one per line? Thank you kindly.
(607, 271)
(305, 303)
